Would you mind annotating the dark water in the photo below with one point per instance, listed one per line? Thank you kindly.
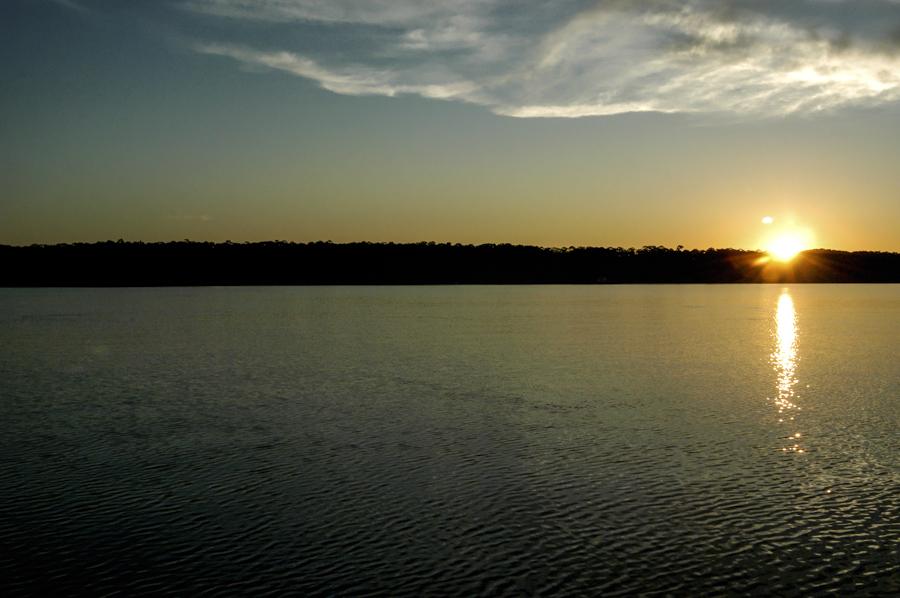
(450, 440)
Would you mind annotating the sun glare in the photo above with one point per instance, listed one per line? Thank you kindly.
(784, 242)
(785, 247)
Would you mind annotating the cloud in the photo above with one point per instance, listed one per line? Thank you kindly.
(522, 59)
(352, 80)
(381, 12)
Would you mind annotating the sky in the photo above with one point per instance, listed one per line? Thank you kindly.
(555, 123)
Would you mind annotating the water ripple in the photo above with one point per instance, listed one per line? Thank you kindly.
(346, 456)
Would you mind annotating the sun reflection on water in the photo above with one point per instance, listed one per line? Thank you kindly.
(784, 361)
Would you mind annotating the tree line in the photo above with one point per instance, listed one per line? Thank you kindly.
(120, 263)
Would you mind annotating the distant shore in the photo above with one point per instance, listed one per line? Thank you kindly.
(192, 263)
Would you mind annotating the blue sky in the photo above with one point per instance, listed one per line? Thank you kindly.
(555, 123)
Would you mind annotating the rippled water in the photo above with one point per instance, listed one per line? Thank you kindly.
(450, 440)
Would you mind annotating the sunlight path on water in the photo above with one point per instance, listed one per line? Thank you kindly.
(784, 361)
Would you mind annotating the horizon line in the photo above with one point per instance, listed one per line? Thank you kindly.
(423, 242)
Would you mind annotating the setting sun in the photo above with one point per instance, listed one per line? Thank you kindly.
(785, 247)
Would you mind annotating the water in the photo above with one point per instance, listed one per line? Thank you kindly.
(450, 440)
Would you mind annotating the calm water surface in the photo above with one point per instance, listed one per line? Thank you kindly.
(450, 440)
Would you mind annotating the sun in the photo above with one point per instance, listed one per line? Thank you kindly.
(784, 248)
(784, 242)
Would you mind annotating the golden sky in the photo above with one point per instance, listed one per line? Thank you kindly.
(463, 122)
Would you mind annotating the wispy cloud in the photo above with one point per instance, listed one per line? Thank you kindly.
(586, 58)
(349, 80)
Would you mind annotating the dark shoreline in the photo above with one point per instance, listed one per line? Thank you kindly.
(189, 263)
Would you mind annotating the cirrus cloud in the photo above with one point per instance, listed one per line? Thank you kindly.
(576, 58)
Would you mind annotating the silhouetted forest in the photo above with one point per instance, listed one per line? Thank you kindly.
(118, 263)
